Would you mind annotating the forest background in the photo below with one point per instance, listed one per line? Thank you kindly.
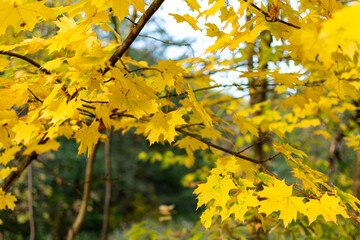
(254, 133)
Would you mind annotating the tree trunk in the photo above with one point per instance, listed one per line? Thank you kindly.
(356, 187)
(260, 87)
(107, 187)
(356, 190)
(31, 213)
(74, 229)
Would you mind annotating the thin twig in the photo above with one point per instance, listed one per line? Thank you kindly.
(144, 69)
(166, 42)
(210, 144)
(38, 99)
(260, 141)
(58, 176)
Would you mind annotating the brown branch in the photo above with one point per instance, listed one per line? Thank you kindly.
(260, 141)
(198, 90)
(134, 33)
(20, 169)
(87, 101)
(29, 60)
(210, 144)
(143, 69)
(38, 99)
(267, 16)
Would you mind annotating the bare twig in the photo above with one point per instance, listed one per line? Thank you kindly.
(38, 99)
(58, 176)
(255, 143)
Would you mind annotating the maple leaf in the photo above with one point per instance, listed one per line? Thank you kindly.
(6, 200)
(217, 188)
(121, 7)
(327, 206)
(246, 125)
(169, 71)
(4, 173)
(162, 126)
(23, 16)
(26, 131)
(42, 148)
(279, 199)
(207, 215)
(193, 4)
(186, 18)
(198, 109)
(88, 137)
(244, 200)
(9, 154)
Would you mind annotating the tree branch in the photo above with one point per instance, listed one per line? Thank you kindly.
(134, 33)
(210, 144)
(26, 59)
(268, 16)
(20, 169)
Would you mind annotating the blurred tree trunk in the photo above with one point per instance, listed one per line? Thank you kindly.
(334, 157)
(74, 229)
(31, 213)
(356, 187)
(259, 87)
(356, 190)
(107, 187)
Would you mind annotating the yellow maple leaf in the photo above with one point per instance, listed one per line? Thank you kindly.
(6, 200)
(288, 79)
(217, 188)
(193, 4)
(42, 148)
(342, 88)
(327, 206)
(244, 199)
(169, 71)
(6, 136)
(207, 215)
(186, 18)
(246, 125)
(88, 137)
(5, 172)
(198, 109)
(121, 7)
(9, 154)
(162, 126)
(214, 8)
(23, 16)
(26, 131)
(279, 199)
